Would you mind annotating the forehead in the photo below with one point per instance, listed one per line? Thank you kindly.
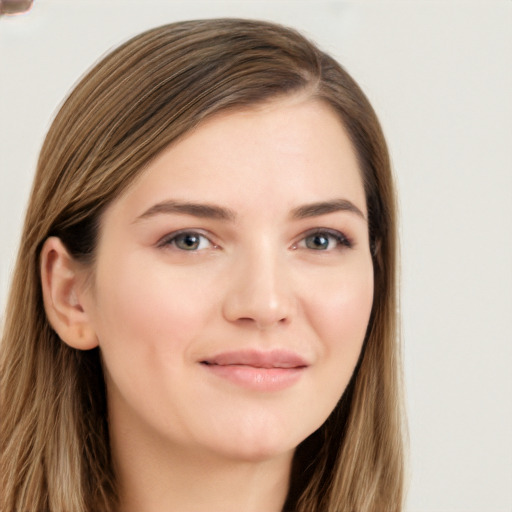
(290, 150)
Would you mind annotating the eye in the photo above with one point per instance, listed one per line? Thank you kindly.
(186, 241)
(324, 240)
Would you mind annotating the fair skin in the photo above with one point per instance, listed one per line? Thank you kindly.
(230, 296)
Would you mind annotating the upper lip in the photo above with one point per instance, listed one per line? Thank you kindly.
(258, 359)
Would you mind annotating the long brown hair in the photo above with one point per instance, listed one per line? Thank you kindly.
(147, 93)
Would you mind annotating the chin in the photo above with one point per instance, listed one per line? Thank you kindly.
(259, 442)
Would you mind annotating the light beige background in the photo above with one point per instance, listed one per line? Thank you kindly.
(439, 75)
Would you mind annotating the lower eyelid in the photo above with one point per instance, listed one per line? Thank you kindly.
(341, 239)
(170, 239)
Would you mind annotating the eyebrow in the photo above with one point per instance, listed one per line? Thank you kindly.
(212, 211)
(201, 210)
(325, 207)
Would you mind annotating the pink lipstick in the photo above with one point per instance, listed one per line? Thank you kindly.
(257, 370)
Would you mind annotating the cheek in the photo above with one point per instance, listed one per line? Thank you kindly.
(341, 308)
(339, 313)
(149, 310)
(337, 309)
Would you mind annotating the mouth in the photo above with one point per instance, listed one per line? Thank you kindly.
(257, 370)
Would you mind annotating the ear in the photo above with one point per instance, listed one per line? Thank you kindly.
(63, 290)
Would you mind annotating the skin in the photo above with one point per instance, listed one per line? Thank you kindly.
(183, 438)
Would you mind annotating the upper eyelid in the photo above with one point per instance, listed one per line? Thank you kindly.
(171, 236)
(206, 234)
(328, 231)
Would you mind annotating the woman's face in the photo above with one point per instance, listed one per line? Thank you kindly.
(233, 284)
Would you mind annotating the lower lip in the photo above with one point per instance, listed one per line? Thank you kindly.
(257, 379)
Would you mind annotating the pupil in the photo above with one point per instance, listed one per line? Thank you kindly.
(319, 242)
(189, 241)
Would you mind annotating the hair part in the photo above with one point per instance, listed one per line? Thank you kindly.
(133, 104)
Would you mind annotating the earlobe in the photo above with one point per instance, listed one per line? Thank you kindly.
(62, 296)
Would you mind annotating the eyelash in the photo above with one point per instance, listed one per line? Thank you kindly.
(340, 239)
(170, 240)
(330, 234)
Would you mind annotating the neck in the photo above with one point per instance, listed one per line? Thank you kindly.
(179, 480)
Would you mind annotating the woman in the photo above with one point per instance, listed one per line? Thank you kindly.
(203, 311)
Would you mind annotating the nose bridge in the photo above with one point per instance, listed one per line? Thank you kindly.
(260, 290)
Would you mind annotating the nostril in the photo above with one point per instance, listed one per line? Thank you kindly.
(259, 302)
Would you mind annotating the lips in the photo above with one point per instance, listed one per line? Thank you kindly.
(272, 359)
(257, 370)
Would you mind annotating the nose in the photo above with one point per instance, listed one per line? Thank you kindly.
(259, 292)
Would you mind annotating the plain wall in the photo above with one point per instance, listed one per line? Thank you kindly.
(439, 75)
